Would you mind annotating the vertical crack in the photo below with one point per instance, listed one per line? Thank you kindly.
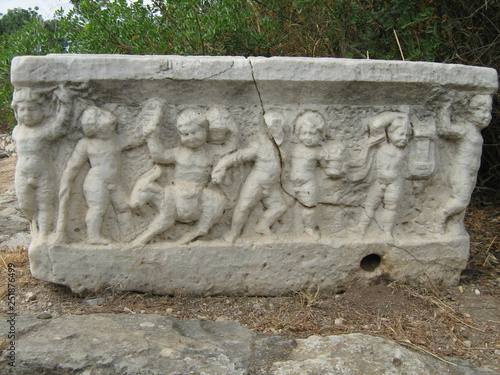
(282, 163)
(257, 88)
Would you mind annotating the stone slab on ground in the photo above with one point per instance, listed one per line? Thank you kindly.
(138, 344)
(153, 344)
(357, 353)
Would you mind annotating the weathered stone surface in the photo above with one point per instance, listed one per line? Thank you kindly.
(14, 226)
(241, 175)
(140, 344)
(362, 354)
(252, 266)
(151, 344)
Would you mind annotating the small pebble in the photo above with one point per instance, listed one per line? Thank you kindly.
(169, 310)
(461, 289)
(467, 343)
(339, 321)
(94, 302)
(477, 292)
(44, 315)
(397, 362)
(30, 296)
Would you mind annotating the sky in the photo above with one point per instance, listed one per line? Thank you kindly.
(46, 7)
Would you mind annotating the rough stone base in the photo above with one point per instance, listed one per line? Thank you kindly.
(250, 267)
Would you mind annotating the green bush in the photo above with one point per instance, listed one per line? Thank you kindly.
(451, 31)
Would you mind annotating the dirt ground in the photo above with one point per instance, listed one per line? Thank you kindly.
(7, 168)
(461, 321)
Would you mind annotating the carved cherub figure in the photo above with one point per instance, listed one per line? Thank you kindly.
(389, 133)
(467, 136)
(34, 135)
(261, 185)
(306, 156)
(188, 199)
(101, 146)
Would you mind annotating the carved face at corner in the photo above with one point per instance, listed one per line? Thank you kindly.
(29, 113)
(192, 129)
(479, 112)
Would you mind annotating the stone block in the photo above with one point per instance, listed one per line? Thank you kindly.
(247, 176)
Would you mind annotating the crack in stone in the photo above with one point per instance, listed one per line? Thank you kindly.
(282, 163)
(221, 72)
(257, 88)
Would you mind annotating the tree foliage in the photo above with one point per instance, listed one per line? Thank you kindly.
(16, 18)
(451, 31)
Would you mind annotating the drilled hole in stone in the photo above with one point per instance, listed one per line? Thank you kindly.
(370, 262)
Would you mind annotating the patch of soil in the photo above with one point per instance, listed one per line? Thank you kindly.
(461, 321)
(7, 168)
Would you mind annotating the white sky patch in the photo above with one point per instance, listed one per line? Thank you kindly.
(46, 7)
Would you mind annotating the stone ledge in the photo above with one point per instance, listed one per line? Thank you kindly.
(80, 68)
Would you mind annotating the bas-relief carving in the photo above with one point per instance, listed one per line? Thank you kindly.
(463, 129)
(189, 199)
(41, 116)
(286, 167)
(290, 171)
(272, 176)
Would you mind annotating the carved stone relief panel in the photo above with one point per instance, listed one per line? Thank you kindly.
(246, 176)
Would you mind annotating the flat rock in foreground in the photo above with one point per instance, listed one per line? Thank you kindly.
(152, 344)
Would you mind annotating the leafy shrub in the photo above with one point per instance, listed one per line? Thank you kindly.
(451, 31)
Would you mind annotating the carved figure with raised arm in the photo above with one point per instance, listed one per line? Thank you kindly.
(306, 156)
(389, 135)
(188, 199)
(40, 124)
(261, 185)
(465, 132)
(101, 146)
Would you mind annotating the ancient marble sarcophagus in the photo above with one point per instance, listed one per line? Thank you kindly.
(257, 176)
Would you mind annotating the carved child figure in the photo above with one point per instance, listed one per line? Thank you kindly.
(468, 140)
(188, 199)
(262, 184)
(310, 129)
(34, 136)
(102, 147)
(389, 132)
